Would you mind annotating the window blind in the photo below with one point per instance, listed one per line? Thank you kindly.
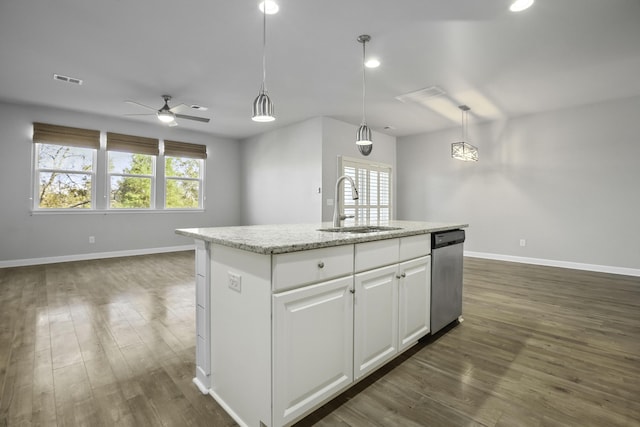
(132, 144)
(185, 149)
(64, 135)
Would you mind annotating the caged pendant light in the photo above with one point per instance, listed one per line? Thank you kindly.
(363, 137)
(463, 150)
(262, 105)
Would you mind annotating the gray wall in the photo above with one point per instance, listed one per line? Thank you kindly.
(566, 181)
(281, 174)
(24, 236)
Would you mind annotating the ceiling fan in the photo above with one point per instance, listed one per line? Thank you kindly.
(167, 114)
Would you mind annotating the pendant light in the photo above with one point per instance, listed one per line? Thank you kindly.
(262, 105)
(463, 150)
(363, 136)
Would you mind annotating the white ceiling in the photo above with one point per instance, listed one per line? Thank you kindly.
(559, 53)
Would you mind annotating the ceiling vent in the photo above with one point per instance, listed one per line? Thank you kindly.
(419, 96)
(67, 79)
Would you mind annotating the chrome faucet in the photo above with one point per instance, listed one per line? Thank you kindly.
(337, 216)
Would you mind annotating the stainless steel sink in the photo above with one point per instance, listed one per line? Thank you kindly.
(359, 229)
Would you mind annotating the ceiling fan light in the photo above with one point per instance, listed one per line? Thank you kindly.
(263, 109)
(363, 137)
(372, 63)
(166, 116)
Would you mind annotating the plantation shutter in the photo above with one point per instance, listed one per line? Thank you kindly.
(373, 181)
(132, 144)
(185, 149)
(63, 135)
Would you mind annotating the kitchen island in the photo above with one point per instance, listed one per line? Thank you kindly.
(289, 316)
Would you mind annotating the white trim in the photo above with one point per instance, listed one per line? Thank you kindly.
(94, 255)
(203, 389)
(227, 408)
(117, 211)
(554, 263)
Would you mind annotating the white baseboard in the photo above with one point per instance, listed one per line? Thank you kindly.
(553, 263)
(95, 255)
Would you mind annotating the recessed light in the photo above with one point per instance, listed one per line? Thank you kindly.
(520, 5)
(372, 63)
(272, 7)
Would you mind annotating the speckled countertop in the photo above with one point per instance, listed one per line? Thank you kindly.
(283, 238)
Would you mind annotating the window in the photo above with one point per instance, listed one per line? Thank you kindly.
(131, 171)
(183, 174)
(74, 171)
(130, 180)
(64, 167)
(373, 181)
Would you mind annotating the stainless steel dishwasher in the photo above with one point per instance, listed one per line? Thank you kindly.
(446, 278)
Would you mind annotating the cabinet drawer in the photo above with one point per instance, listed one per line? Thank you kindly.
(301, 268)
(376, 254)
(415, 246)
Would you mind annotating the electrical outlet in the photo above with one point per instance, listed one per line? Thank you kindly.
(92, 239)
(235, 282)
(523, 242)
(329, 202)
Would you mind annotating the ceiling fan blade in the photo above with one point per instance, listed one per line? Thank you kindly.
(141, 105)
(176, 107)
(198, 119)
(141, 114)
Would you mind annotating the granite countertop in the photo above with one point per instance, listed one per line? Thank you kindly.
(283, 238)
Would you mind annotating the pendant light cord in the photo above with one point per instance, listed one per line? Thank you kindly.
(264, 47)
(364, 86)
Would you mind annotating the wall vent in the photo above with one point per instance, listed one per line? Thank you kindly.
(67, 79)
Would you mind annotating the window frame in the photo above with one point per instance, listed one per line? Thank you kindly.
(152, 177)
(357, 207)
(199, 180)
(35, 176)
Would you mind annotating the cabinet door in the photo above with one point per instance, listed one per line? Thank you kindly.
(312, 346)
(375, 319)
(414, 300)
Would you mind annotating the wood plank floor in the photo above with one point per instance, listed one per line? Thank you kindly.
(111, 342)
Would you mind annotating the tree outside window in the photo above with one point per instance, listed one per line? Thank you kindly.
(183, 182)
(65, 176)
(131, 180)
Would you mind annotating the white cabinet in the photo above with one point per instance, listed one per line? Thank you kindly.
(375, 319)
(414, 301)
(391, 312)
(312, 347)
(203, 320)
(279, 335)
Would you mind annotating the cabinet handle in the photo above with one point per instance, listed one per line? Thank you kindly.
(398, 276)
(404, 275)
(353, 291)
(321, 264)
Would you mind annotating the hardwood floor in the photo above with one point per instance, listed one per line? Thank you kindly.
(111, 342)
